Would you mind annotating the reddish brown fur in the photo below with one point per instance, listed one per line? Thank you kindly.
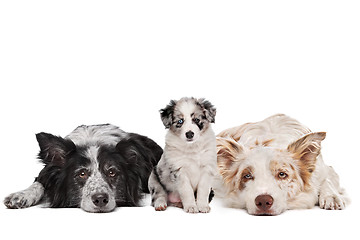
(227, 154)
(305, 151)
(244, 180)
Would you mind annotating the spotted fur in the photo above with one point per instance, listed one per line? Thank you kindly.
(184, 174)
(96, 168)
(274, 165)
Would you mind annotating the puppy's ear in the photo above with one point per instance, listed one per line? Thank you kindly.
(228, 153)
(305, 150)
(209, 109)
(167, 114)
(54, 149)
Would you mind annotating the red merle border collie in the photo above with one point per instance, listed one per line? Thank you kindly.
(96, 168)
(273, 165)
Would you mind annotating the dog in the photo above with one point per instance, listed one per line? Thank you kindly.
(273, 165)
(96, 168)
(184, 174)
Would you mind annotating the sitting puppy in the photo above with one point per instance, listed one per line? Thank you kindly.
(274, 165)
(95, 168)
(183, 176)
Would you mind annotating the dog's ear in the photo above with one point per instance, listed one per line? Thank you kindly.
(167, 114)
(209, 109)
(228, 153)
(141, 154)
(54, 149)
(136, 145)
(305, 150)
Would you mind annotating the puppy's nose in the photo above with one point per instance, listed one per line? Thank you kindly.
(264, 202)
(189, 135)
(100, 199)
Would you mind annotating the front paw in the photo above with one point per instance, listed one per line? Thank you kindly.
(204, 208)
(160, 204)
(332, 202)
(19, 200)
(191, 209)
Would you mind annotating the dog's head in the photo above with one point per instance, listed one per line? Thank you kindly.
(263, 179)
(188, 118)
(96, 178)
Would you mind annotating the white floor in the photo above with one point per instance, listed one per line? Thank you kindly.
(146, 223)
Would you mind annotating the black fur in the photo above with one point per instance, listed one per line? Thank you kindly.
(125, 167)
(209, 109)
(166, 114)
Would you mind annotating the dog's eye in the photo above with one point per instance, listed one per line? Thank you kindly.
(196, 120)
(282, 175)
(248, 176)
(83, 174)
(181, 121)
(111, 173)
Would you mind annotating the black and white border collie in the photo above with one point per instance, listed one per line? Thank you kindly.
(96, 168)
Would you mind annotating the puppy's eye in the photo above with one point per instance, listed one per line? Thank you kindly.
(282, 175)
(181, 121)
(196, 120)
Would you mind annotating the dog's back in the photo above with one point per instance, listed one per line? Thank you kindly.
(278, 131)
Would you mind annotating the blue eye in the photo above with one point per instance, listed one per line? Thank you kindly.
(181, 121)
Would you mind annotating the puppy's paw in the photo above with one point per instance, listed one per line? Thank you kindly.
(191, 209)
(19, 200)
(204, 208)
(332, 202)
(160, 204)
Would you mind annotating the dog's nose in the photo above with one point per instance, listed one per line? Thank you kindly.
(189, 135)
(100, 199)
(264, 202)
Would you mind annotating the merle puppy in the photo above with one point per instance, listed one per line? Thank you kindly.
(96, 168)
(185, 173)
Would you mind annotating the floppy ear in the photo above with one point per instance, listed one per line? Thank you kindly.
(141, 154)
(139, 145)
(167, 114)
(306, 150)
(209, 109)
(228, 151)
(54, 149)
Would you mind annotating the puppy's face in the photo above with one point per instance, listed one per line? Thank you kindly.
(94, 178)
(263, 179)
(188, 118)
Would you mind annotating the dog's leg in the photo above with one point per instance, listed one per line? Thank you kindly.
(158, 193)
(26, 198)
(332, 196)
(203, 191)
(186, 193)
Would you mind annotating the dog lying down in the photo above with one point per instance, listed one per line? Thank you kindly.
(96, 168)
(274, 165)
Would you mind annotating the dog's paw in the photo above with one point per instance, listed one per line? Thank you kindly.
(332, 202)
(19, 200)
(191, 209)
(204, 208)
(160, 205)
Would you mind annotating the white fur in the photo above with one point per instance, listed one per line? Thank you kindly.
(324, 188)
(186, 166)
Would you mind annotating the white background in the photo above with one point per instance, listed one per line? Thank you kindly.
(66, 63)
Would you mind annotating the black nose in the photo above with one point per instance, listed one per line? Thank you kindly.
(100, 199)
(189, 135)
